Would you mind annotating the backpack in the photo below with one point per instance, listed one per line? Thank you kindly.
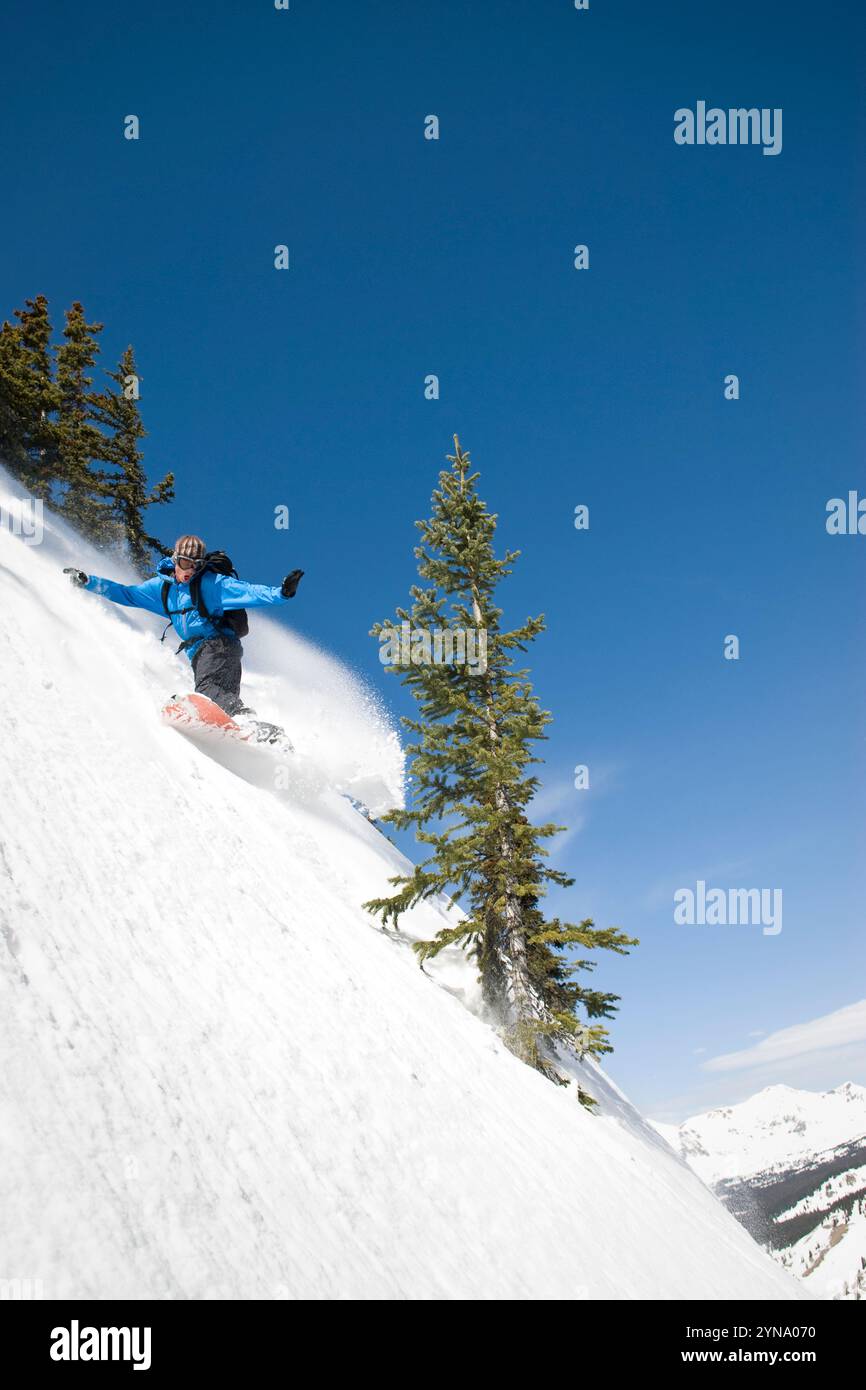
(236, 622)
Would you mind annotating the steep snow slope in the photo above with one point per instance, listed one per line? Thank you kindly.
(219, 1078)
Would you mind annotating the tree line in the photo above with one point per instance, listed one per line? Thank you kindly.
(77, 448)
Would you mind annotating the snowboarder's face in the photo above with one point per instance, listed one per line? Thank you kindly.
(183, 569)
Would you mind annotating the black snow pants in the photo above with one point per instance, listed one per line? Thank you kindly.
(217, 670)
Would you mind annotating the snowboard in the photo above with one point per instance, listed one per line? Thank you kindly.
(246, 751)
(196, 714)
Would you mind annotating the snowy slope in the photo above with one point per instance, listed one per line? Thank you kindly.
(219, 1078)
(831, 1257)
(792, 1166)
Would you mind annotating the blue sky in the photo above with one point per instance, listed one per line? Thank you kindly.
(603, 387)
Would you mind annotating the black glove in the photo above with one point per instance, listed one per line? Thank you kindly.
(290, 583)
(77, 577)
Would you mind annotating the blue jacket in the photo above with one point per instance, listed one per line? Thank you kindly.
(219, 593)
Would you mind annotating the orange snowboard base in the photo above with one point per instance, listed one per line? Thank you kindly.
(196, 713)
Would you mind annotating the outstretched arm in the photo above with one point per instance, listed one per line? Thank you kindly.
(147, 595)
(237, 593)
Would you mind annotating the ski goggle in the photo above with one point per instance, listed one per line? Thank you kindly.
(185, 562)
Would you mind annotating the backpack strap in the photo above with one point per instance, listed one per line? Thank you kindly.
(165, 588)
(173, 613)
(195, 594)
(221, 623)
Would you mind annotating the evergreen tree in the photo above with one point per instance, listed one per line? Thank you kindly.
(118, 411)
(85, 491)
(472, 788)
(50, 435)
(13, 453)
(28, 399)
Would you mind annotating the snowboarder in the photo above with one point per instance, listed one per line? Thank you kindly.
(196, 591)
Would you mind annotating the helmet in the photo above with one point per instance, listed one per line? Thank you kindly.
(189, 548)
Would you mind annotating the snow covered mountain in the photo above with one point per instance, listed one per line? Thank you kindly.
(791, 1166)
(220, 1078)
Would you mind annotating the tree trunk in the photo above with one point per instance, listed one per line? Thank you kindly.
(507, 981)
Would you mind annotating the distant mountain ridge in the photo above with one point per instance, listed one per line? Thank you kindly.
(791, 1166)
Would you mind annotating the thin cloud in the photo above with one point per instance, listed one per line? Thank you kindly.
(840, 1029)
(558, 799)
(661, 892)
(555, 801)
